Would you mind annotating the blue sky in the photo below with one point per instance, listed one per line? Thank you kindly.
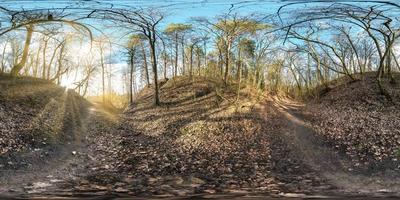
(178, 10)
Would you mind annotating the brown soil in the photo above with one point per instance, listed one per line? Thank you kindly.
(199, 143)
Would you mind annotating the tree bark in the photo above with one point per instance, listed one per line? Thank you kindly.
(131, 76)
(152, 42)
(44, 60)
(17, 68)
(146, 68)
(198, 62)
(227, 60)
(36, 67)
(183, 56)
(176, 54)
(59, 60)
(238, 65)
(191, 61)
(2, 58)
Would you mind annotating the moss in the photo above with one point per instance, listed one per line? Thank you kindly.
(397, 153)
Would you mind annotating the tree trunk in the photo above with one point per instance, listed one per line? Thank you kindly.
(198, 63)
(131, 62)
(59, 61)
(17, 68)
(227, 60)
(102, 74)
(51, 61)
(146, 68)
(165, 65)
(183, 56)
(44, 59)
(205, 53)
(36, 67)
(220, 61)
(191, 61)
(152, 43)
(165, 59)
(176, 54)
(238, 65)
(2, 58)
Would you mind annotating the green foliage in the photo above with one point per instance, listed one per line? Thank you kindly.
(135, 40)
(175, 28)
(397, 153)
(248, 47)
(239, 26)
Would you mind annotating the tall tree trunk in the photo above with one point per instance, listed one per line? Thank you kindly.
(59, 61)
(36, 67)
(131, 77)
(152, 43)
(109, 79)
(2, 58)
(227, 60)
(165, 64)
(176, 54)
(51, 61)
(102, 74)
(146, 68)
(198, 62)
(17, 68)
(165, 58)
(395, 60)
(238, 65)
(191, 61)
(220, 61)
(44, 59)
(28, 66)
(183, 57)
(205, 53)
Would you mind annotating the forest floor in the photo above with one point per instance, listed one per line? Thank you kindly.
(199, 143)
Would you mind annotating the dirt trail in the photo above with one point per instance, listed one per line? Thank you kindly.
(47, 170)
(331, 164)
(65, 171)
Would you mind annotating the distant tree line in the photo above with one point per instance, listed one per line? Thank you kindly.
(293, 51)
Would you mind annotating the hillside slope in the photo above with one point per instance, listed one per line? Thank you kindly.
(199, 142)
(35, 113)
(360, 122)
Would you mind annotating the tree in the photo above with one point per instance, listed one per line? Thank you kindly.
(18, 66)
(375, 22)
(100, 43)
(133, 43)
(140, 21)
(177, 32)
(191, 47)
(29, 20)
(227, 29)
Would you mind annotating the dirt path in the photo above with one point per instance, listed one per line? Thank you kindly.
(51, 169)
(331, 164)
(80, 168)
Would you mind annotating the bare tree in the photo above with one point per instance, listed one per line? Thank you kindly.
(140, 21)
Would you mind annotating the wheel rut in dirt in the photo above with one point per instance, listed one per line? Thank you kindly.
(328, 162)
(25, 170)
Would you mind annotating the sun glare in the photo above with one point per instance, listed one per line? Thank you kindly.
(68, 83)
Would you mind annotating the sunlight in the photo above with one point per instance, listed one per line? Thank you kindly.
(195, 98)
(81, 51)
(68, 83)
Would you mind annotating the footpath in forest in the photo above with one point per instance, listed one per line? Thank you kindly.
(199, 143)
